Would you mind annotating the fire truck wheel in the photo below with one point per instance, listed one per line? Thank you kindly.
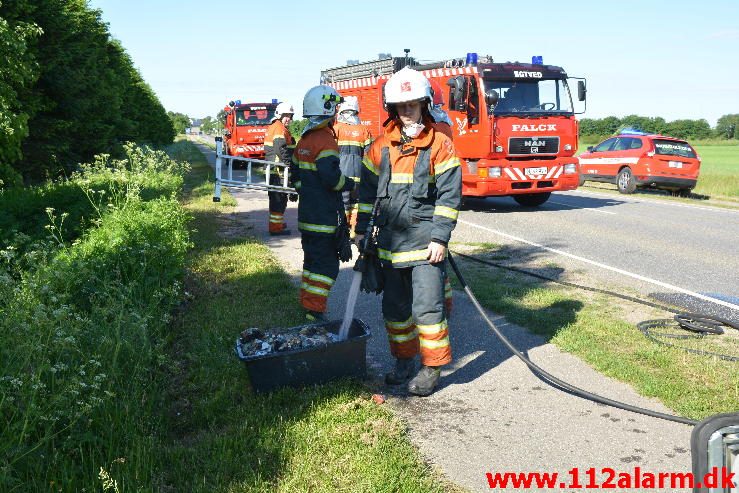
(625, 181)
(581, 182)
(532, 199)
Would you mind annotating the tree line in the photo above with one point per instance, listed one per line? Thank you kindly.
(68, 91)
(726, 126)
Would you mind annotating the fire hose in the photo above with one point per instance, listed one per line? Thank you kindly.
(548, 377)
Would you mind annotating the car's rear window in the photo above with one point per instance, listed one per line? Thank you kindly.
(673, 148)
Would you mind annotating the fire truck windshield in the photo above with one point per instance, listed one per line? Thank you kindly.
(539, 96)
(254, 115)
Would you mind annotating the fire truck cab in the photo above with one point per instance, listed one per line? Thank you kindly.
(513, 123)
(245, 127)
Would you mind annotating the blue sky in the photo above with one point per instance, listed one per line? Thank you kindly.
(674, 59)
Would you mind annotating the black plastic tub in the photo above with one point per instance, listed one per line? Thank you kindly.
(312, 365)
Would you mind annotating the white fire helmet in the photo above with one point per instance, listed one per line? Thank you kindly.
(407, 85)
(283, 109)
(321, 101)
(351, 103)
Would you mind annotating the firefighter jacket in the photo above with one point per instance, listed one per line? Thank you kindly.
(419, 187)
(317, 157)
(353, 140)
(278, 144)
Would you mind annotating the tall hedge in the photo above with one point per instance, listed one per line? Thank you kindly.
(78, 93)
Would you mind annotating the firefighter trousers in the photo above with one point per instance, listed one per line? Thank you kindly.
(414, 311)
(320, 268)
(277, 206)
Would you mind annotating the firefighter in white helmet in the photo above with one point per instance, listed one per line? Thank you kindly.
(278, 148)
(353, 139)
(414, 171)
(321, 186)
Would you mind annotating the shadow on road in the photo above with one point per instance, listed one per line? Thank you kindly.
(555, 203)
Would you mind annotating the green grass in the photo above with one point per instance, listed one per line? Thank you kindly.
(593, 327)
(719, 176)
(224, 438)
(83, 327)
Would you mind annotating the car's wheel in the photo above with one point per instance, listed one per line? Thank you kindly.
(625, 181)
(581, 182)
(532, 199)
(683, 192)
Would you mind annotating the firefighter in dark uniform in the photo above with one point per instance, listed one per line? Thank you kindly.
(353, 139)
(321, 185)
(414, 170)
(278, 147)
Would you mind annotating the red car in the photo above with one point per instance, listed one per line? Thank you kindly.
(632, 160)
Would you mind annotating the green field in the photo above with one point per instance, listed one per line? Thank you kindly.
(719, 176)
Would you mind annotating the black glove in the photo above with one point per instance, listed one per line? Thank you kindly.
(343, 243)
(373, 280)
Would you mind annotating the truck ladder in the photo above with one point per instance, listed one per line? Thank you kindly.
(248, 183)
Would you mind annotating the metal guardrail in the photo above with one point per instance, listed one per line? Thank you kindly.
(248, 183)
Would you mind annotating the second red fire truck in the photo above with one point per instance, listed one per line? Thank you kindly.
(514, 123)
(245, 126)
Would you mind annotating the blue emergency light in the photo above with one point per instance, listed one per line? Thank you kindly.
(632, 131)
(237, 102)
(471, 59)
(537, 60)
(274, 101)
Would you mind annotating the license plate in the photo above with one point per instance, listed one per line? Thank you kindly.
(675, 164)
(536, 171)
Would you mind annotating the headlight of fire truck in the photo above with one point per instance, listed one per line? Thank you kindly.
(570, 168)
(568, 147)
(498, 148)
(493, 172)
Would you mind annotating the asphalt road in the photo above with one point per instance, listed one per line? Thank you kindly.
(682, 253)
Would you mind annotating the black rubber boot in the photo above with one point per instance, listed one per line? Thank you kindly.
(425, 381)
(402, 372)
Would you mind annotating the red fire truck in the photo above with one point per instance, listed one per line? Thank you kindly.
(514, 123)
(245, 126)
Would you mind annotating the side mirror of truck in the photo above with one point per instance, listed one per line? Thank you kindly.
(458, 101)
(581, 90)
(590, 148)
(492, 97)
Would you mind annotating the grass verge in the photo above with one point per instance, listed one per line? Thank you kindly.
(224, 438)
(593, 326)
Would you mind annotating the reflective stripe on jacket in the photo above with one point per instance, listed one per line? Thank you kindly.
(317, 157)
(420, 187)
(353, 141)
